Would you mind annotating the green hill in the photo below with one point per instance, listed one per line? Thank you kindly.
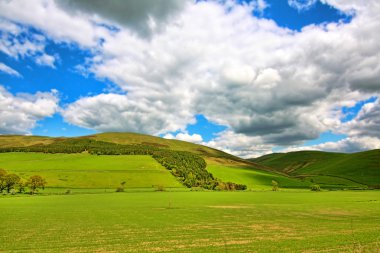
(100, 172)
(326, 167)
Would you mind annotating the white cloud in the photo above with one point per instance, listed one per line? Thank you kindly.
(6, 69)
(115, 112)
(19, 114)
(46, 60)
(49, 18)
(347, 145)
(184, 136)
(302, 5)
(239, 144)
(268, 85)
(243, 72)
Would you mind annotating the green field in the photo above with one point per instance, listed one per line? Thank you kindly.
(254, 179)
(89, 171)
(341, 221)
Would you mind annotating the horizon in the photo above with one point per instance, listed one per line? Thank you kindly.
(246, 77)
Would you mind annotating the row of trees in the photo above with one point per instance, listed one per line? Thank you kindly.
(10, 182)
(80, 145)
(190, 169)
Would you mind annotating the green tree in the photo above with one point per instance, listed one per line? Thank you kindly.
(35, 182)
(21, 186)
(3, 173)
(274, 185)
(10, 181)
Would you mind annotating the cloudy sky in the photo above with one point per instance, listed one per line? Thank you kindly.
(248, 77)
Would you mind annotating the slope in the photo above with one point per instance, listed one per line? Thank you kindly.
(361, 168)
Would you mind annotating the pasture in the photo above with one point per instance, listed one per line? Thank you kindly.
(89, 171)
(340, 221)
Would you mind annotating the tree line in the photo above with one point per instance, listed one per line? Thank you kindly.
(10, 183)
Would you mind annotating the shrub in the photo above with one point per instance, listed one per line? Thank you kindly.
(120, 189)
(315, 187)
(274, 185)
(160, 188)
(68, 191)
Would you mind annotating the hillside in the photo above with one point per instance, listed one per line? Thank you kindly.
(224, 166)
(362, 167)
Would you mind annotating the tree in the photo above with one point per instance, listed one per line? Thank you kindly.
(21, 186)
(10, 181)
(35, 182)
(274, 185)
(3, 173)
(315, 188)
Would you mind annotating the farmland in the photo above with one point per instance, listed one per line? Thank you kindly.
(88, 171)
(340, 221)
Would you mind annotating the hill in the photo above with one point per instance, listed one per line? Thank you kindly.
(188, 169)
(325, 167)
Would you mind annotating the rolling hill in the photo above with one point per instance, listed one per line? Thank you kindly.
(222, 165)
(326, 167)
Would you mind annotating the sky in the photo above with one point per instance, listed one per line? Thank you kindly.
(247, 77)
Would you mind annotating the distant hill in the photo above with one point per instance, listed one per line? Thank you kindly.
(361, 168)
(131, 138)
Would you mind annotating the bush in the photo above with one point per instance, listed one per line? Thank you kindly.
(68, 191)
(274, 185)
(120, 189)
(315, 187)
(160, 188)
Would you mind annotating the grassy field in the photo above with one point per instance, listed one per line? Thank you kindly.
(361, 168)
(89, 171)
(252, 178)
(341, 221)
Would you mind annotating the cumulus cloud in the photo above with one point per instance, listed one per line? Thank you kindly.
(184, 136)
(20, 113)
(366, 123)
(45, 59)
(269, 85)
(143, 16)
(244, 72)
(19, 43)
(239, 144)
(6, 69)
(347, 145)
(115, 112)
(61, 26)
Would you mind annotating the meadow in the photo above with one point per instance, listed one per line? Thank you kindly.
(339, 221)
(86, 171)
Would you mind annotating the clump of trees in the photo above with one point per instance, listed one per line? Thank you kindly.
(229, 186)
(315, 188)
(10, 183)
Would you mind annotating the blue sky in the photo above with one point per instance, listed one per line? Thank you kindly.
(213, 82)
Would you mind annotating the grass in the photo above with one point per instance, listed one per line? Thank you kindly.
(254, 179)
(194, 222)
(360, 168)
(88, 171)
